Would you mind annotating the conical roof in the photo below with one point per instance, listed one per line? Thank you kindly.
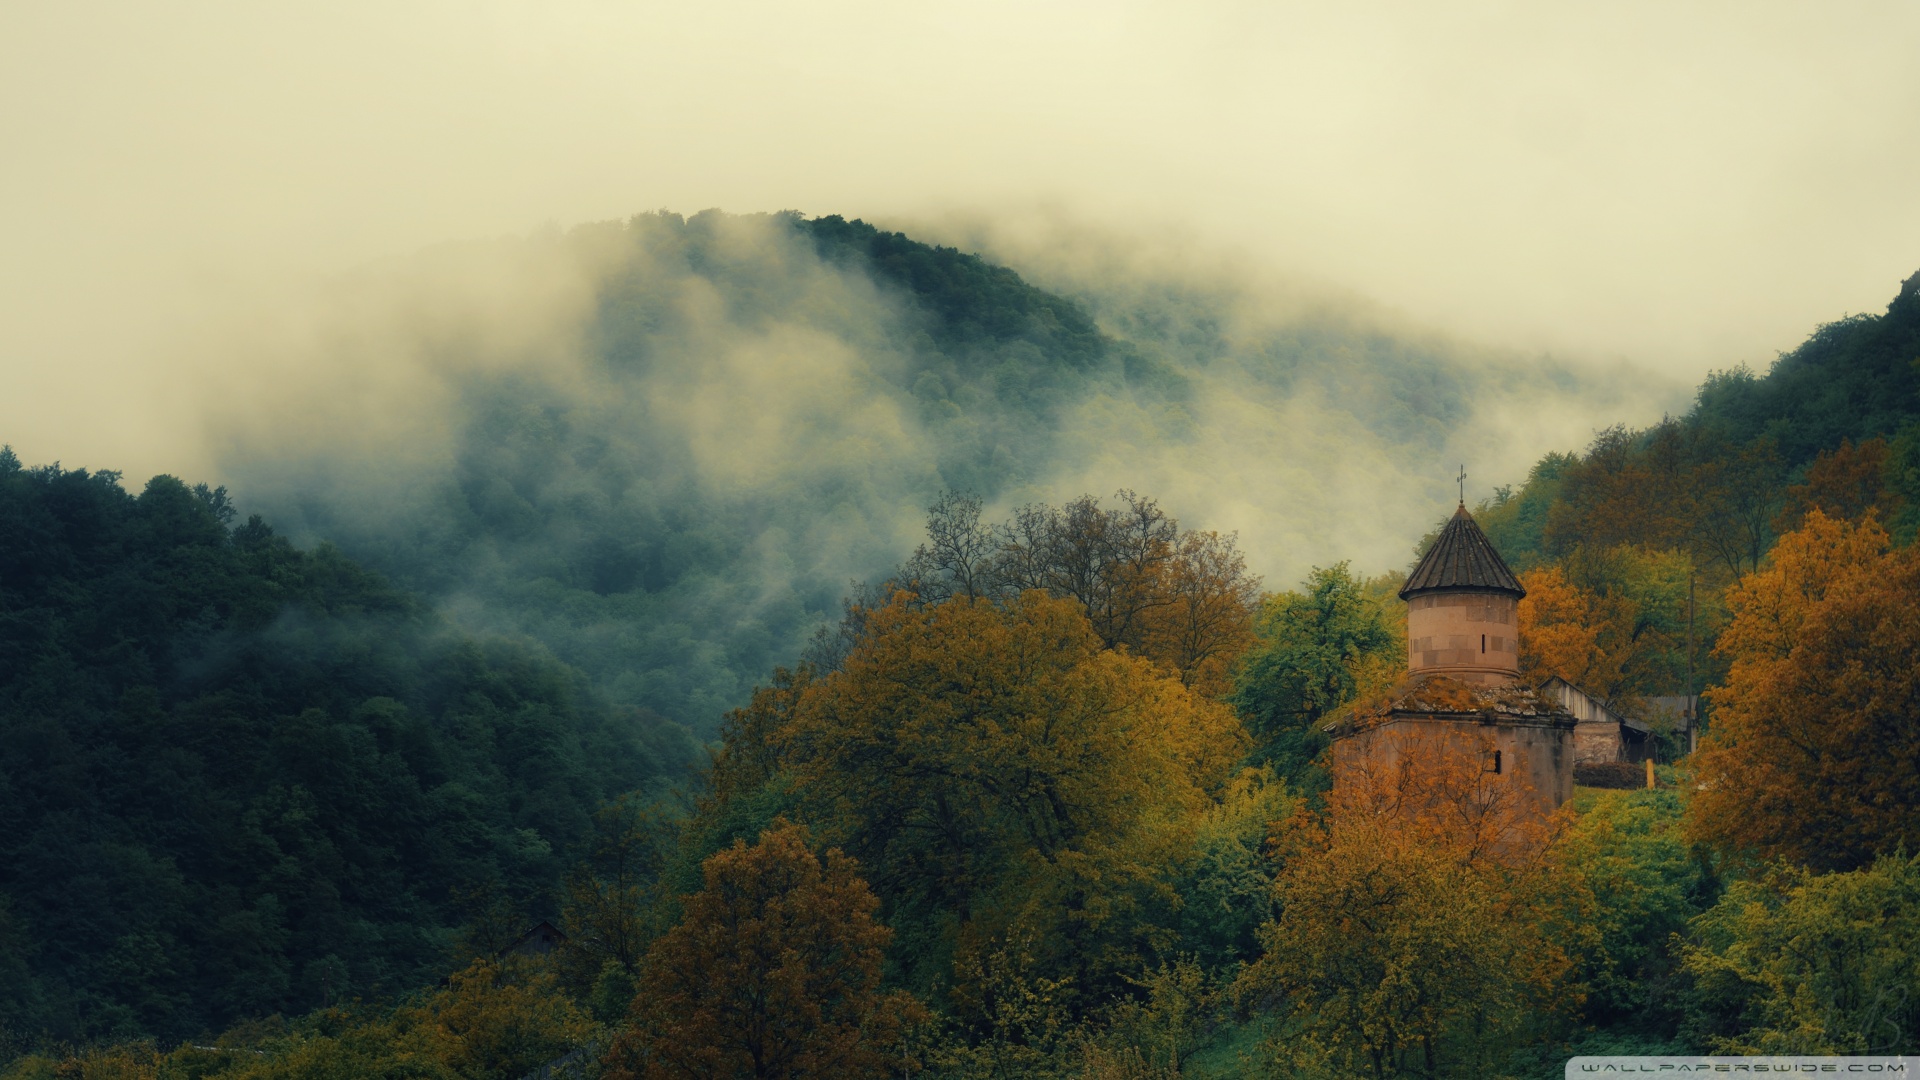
(1463, 558)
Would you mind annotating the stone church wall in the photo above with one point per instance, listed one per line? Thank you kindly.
(1535, 756)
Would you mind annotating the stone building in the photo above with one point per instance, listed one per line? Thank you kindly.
(1462, 689)
(1601, 735)
(1624, 735)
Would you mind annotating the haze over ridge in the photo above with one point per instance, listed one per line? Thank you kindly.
(663, 447)
(460, 463)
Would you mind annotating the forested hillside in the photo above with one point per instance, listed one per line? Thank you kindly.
(1853, 379)
(1045, 793)
(1005, 826)
(241, 778)
(1614, 540)
(671, 482)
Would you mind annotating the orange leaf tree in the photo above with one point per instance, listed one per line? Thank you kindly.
(1611, 623)
(1208, 621)
(774, 972)
(1814, 753)
(1844, 482)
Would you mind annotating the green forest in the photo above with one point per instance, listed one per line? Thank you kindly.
(550, 768)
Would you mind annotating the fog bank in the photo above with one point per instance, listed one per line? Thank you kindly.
(663, 447)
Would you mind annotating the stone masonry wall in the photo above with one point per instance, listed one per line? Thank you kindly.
(1472, 636)
(1537, 757)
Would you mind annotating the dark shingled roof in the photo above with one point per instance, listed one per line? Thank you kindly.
(1463, 558)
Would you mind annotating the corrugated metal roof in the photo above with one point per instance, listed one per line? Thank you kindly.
(1463, 558)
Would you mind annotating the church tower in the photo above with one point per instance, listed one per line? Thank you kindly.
(1463, 609)
(1462, 700)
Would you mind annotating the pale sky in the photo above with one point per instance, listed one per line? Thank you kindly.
(1680, 186)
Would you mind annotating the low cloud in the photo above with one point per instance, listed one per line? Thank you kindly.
(1318, 424)
(663, 448)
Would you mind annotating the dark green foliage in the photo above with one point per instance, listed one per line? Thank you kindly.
(1902, 478)
(1854, 379)
(967, 305)
(1318, 648)
(1712, 482)
(1702, 497)
(1226, 886)
(237, 778)
(1516, 521)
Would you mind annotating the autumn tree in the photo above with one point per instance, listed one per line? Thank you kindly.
(1208, 622)
(1611, 621)
(960, 555)
(748, 756)
(1630, 487)
(1582, 636)
(1737, 497)
(991, 762)
(1316, 648)
(1843, 483)
(1814, 754)
(1413, 935)
(1183, 599)
(774, 972)
(490, 1023)
(1111, 561)
(1673, 486)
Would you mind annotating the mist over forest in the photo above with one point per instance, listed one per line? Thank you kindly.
(994, 598)
(664, 448)
(973, 640)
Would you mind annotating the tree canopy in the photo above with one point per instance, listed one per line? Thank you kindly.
(241, 778)
(1334, 640)
(1815, 750)
(999, 772)
(774, 973)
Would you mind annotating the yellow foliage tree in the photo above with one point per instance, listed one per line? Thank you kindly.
(992, 763)
(1558, 634)
(1415, 924)
(1814, 752)
(487, 1023)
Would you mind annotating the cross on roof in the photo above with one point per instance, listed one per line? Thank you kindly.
(1463, 485)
